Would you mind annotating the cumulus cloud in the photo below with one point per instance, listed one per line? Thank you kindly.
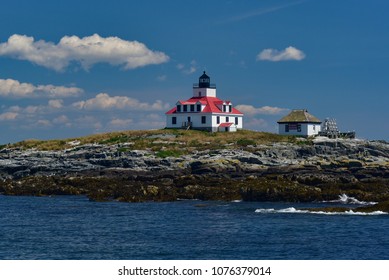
(290, 53)
(86, 51)
(56, 103)
(120, 123)
(265, 110)
(8, 116)
(190, 69)
(62, 119)
(104, 101)
(14, 88)
(43, 123)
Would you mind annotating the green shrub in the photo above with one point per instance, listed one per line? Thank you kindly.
(245, 142)
(165, 154)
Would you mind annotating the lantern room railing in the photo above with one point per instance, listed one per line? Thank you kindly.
(196, 85)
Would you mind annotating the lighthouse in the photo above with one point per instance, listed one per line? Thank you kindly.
(204, 110)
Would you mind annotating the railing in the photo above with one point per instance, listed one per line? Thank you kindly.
(210, 86)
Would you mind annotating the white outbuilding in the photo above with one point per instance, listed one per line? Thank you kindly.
(204, 111)
(299, 123)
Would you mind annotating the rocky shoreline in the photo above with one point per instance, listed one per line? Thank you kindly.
(295, 172)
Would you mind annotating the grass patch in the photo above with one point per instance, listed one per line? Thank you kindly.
(184, 141)
(165, 154)
(116, 139)
(245, 142)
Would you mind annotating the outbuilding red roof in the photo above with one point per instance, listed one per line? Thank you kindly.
(226, 124)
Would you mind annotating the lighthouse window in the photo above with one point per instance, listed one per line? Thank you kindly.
(174, 120)
(230, 108)
(192, 108)
(203, 119)
(227, 119)
(217, 119)
(236, 120)
(198, 108)
(178, 108)
(185, 108)
(224, 108)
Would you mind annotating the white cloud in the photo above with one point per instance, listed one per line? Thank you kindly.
(8, 116)
(43, 123)
(56, 103)
(120, 123)
(265, 110)
(104, 101)
(14, 88)
(290, 53)
(62, 119)
(59, 91)
(87, 51)
(33, 109)
(30, 109)
(188, 70)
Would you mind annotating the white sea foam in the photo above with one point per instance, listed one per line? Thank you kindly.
(293, 210)
(345, 199)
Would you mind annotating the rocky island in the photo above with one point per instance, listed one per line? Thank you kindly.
(169, 165)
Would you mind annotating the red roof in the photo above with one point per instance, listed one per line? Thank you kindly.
(186, 102)
(226, 124)
(210, 105)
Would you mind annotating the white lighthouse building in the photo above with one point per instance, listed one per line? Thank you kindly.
(204, 111)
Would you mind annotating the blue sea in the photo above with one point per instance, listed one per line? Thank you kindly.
(72, 227)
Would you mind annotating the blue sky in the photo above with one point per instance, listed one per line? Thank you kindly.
(73, 68)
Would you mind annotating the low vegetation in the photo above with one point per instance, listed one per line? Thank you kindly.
(167, 141)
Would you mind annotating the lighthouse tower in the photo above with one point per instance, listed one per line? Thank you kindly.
(204, 111)
(204, 87)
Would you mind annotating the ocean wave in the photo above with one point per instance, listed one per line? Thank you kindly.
(292, 210)
(345, 199)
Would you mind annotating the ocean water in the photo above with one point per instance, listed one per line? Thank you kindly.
(72, 227)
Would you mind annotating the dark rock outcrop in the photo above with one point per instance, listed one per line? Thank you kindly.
(279, 172)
